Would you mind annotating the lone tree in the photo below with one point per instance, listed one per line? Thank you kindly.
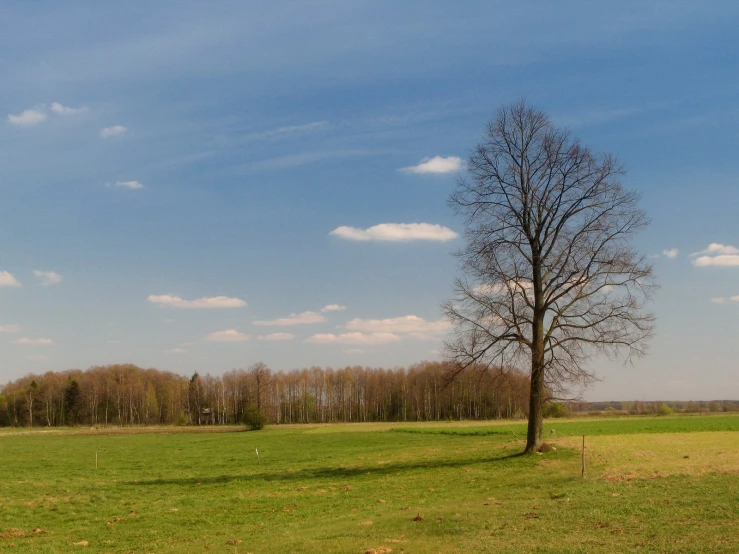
(550, 278)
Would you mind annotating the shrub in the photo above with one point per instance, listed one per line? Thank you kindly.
(664, 409)
(254, 419)
(555, 409)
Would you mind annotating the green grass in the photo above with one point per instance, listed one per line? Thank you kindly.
(626, 425)
(355, 488)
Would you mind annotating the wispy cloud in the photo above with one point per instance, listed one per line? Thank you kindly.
(114, 131)
(28, 118)
(31, 342)
(126, 184)
(409, 325)
(175, 351)
(7, 280)
(437, 164)
(305, 158)
(291, 131)
(672, 253)
(276, 337)
(353, 351)
(595, 116)
(9, 328)
(333, 308)
(302, 318)
(205, 302)
(353, 338)
(59, 109)
(396, 232)
(716, 254)
(230, 335)
(47, 277)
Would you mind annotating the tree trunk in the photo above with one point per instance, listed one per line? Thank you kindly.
(536, 394)
(536, 411)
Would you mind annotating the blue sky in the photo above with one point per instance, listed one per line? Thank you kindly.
(198, 186)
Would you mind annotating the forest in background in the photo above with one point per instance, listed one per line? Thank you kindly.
(125, 394)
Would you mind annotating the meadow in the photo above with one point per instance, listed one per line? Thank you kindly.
(660, 484)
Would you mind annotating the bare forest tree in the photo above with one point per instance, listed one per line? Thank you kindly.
(550, 277)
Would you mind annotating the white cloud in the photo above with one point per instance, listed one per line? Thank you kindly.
(437, 164)
(719, 261)
(58, 109)
(7, 280)
(396, 232)
(409, 325)
(276, 337)
(671, 253)
(127, 184)
(333, 308)
(715, 248)
(9, 328)
(230, 335)
(717, 255)
(205, 302)
(294, 319)
(175, 351)
(114, 131)
(28, 118)
(48, 277)
(354, 338)
(27, 341)
(720, 300)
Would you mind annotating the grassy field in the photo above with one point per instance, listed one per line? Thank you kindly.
(666, 484)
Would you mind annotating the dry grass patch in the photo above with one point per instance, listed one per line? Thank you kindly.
(649, 456)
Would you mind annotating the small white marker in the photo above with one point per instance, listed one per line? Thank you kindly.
(257, 451)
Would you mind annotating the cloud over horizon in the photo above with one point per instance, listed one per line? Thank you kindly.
(229, 335)
(396, 232)
(276, 337)
(302, 318)
(166, 300)
(353, 338)
(333, 308)
(30, 342)
(409, 325)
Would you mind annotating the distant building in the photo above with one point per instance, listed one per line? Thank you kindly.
(207, 417)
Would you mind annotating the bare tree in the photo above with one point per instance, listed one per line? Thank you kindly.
(551, 279)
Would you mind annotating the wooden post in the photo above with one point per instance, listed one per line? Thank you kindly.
(583, 456)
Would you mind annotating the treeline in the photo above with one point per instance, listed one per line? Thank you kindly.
(125, 394)
(645, 407)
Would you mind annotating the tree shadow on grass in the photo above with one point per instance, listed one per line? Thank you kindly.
(340, 472)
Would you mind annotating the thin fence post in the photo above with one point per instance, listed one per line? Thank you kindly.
(583, 456)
